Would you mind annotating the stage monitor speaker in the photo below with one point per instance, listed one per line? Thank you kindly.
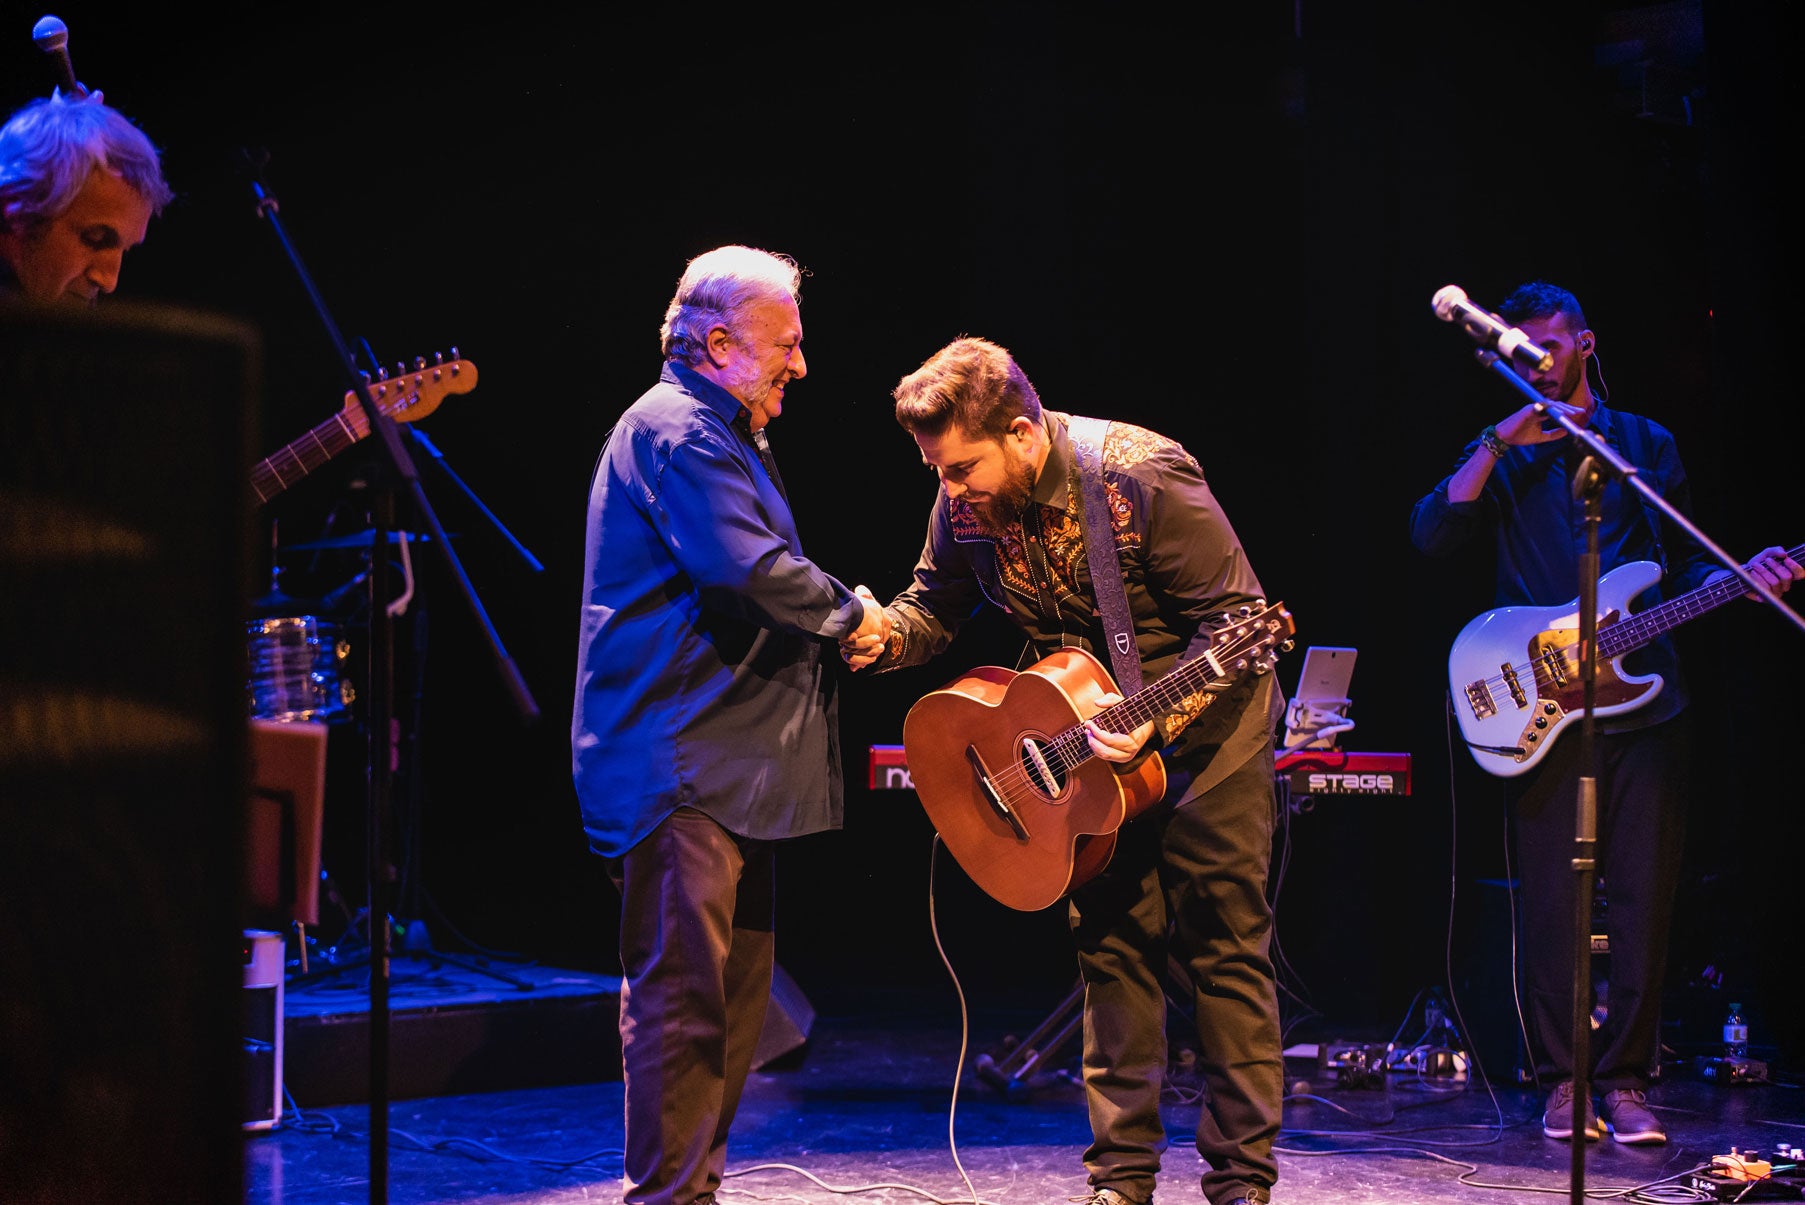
(125, 437)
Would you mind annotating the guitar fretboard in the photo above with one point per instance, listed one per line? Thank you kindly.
(276, 473)
(1252, 638)
(1631, 633)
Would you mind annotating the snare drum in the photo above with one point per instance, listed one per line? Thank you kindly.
(297, 666)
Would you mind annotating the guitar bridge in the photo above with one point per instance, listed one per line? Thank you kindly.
(997, 804)
(1479, 698)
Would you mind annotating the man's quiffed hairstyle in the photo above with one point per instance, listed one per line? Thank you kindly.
(972, 384)
(50, 147)
(716, 289)
(1539, 299)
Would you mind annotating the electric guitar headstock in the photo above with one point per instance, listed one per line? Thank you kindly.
(412, 393)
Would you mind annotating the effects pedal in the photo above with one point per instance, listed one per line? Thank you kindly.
(1732, 1072)
(1355, 1064)
(1751, 1176)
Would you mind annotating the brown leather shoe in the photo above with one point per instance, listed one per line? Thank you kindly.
(1557, 1118)
(1626, 1115)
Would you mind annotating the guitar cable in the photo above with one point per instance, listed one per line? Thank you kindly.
(1450, 721)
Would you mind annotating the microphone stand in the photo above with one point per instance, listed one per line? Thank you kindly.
(432, 449)
(379, 873)
(1588, 485)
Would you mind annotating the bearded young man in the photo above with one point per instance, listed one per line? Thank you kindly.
(1188, 875)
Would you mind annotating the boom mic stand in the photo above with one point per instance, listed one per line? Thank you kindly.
(378, 871)
(1588, 484)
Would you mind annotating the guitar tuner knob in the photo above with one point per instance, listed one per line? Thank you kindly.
(400, 368)
(438, 357)
(1287, 646)
(454, 352)
(382, 374)
(419, 363)
(365, 376)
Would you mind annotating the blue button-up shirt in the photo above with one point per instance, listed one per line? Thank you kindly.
(703, 674)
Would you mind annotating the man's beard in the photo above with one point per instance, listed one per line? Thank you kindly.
(750, 385)
(1006, 505)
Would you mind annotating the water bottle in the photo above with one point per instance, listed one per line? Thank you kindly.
(1736, 1035)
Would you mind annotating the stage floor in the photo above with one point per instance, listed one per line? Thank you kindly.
(864, 1111)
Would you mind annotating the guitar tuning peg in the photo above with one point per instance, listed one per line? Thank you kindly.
(438, 357)
(382, 374)
(400, 368)
(454, 352)
(419, 363)
(365, 376)
(1287, 646)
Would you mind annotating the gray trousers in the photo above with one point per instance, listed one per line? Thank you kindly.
(697, 948)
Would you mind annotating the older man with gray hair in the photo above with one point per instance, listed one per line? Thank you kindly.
(79, 184)
(706, 724)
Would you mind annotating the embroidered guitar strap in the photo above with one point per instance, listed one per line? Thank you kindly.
(1087, 436)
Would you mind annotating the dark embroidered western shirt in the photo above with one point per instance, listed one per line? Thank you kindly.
(1183, 569)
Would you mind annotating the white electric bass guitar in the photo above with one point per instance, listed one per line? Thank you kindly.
(1514, 672)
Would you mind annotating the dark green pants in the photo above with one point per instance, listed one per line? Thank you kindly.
(1189, 882)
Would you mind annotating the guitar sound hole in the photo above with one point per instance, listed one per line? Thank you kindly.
(1041, 774)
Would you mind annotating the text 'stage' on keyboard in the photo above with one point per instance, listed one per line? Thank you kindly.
(1300, 772)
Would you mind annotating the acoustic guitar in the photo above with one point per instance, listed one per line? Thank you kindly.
(1001, 762)
(405, 397)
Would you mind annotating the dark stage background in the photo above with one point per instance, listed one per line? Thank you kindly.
(1228, 233)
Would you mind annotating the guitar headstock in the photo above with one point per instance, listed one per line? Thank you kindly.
(415, 392)
(1254, 635)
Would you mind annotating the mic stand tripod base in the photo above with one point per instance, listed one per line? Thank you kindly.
(415, 944)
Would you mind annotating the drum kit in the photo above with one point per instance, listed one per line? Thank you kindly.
(298, 649)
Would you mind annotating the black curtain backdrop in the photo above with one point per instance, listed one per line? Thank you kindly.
(1227, 232)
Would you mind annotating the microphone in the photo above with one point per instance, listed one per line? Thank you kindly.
(1488, 330)
(52, 37)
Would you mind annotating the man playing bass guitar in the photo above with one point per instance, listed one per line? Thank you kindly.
(1515, 482)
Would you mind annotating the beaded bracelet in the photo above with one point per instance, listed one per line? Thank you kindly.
(1496, 446)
